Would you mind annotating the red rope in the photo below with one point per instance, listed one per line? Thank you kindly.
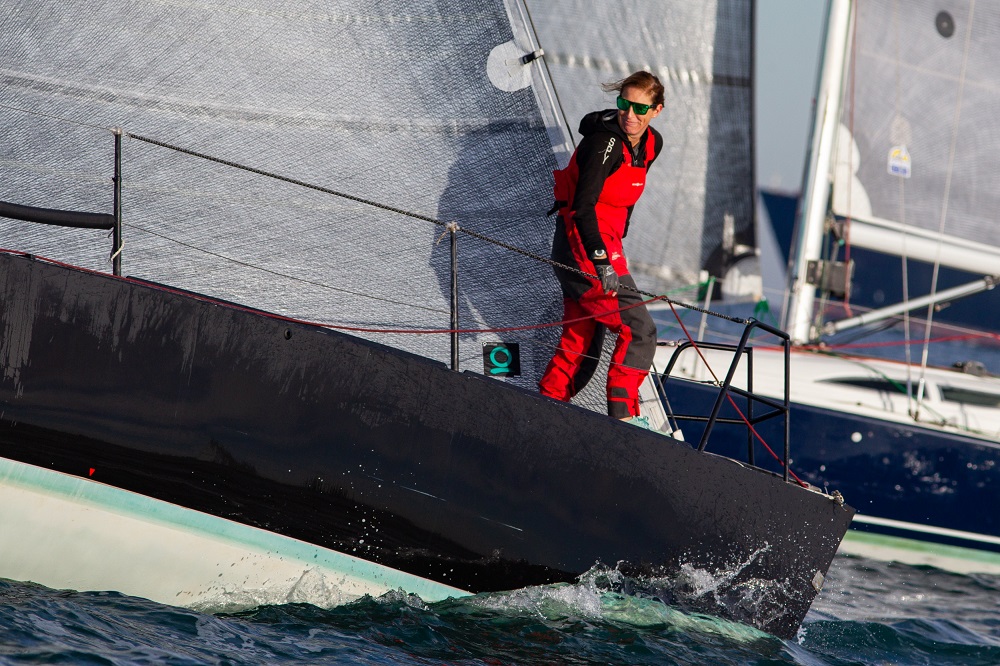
(505, 329)
(893, 343)
(979, 335)
(339, 327)
(278, 317)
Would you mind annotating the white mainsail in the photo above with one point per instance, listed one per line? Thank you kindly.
(908, 138)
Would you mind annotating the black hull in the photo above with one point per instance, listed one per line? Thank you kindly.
(359, 448)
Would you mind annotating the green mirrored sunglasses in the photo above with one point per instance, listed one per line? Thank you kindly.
(640, 109)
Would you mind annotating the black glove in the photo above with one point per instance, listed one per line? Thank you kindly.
(608, 277)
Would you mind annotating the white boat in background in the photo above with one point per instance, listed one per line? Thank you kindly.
(902, 163)
(919, 480)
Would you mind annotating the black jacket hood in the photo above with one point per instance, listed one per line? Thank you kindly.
(602, 121)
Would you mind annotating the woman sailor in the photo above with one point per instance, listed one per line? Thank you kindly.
(595, 195)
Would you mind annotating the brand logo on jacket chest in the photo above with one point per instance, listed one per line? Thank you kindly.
(607, 151)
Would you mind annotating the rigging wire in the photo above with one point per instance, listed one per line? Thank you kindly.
(393, 209)
(952, 149)
(284, 275)
(356, 199)
(453, 228)
(52, 116)
(901, 198)
(850, 166)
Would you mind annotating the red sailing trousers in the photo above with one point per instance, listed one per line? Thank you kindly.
(584, 299)
(630, 360)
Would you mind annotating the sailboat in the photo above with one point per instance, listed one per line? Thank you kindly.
(309, 374)
(898, 167)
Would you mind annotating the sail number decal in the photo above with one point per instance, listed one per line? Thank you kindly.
(899, 162)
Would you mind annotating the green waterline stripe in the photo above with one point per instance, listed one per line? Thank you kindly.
(924, 547)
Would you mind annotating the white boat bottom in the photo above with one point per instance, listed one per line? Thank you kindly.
(67, 532)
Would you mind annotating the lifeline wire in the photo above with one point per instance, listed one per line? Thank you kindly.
(418, 216)
(449, 226)
(452, 228)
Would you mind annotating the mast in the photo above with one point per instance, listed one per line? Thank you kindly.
(816, 184)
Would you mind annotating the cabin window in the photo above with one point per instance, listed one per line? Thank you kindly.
(970, 397)
(870, 384)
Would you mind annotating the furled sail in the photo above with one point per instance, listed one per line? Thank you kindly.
(916, 161)
(697, 211)
(419, 111)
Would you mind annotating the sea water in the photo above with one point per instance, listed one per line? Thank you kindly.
(868, 613)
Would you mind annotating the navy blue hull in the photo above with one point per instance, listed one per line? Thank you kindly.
(901, 473)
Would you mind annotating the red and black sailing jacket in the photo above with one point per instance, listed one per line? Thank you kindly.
(595, 195)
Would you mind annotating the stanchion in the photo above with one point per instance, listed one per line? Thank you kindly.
(453, 228)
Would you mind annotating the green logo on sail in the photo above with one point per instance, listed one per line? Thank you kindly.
(501, 359)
